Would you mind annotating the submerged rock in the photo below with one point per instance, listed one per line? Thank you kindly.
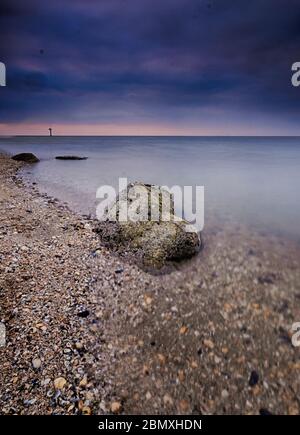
(26, 157)
(167, 238)
(70, 158)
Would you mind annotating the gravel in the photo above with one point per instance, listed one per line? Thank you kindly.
(88, 332)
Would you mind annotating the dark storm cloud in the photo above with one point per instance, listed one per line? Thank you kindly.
(139, 58)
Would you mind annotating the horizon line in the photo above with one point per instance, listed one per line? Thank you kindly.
(148, 135)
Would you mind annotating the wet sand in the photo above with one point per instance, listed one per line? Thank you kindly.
(88, 332)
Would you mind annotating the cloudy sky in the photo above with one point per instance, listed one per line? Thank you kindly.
(150, 67)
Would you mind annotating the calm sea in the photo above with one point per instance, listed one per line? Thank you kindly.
(254, 180)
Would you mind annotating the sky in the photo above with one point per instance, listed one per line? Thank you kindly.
(150, 67)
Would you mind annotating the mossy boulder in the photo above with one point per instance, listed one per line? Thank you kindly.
(154, 241)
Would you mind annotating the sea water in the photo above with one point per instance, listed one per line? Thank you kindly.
(252, 180)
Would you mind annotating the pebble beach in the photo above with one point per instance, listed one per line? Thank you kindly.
(89, 332)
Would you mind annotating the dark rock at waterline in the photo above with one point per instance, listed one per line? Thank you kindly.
(155, 242)
(70, 158)
(26, 157)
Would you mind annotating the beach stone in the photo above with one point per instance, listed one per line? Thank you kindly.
(116, 407)
(254, 378)
(264, 411)
(167, 399)
(83, 314)
(26, 157)
(36, 363)
(86, 410)
(184, 405)
(59, 383)
(83, 382)
(155, 241)
(225, 394)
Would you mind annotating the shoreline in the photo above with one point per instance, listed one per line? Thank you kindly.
(185, 342)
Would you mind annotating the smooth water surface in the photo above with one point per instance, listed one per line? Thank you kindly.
(255, 180)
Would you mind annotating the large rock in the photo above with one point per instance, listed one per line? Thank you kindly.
(26, 157)
(155, 242)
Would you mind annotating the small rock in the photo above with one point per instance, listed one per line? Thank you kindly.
(116, 407)
(86, 410)
(161, 358)
(83, 314)
(225, 394)
(59, 383)
(209, 344)
(264, 411)
(36, 363)
(145, 370)
(293, 410)
(266, 279)
(148, 300)
(83, 382)
(254, 377)
(183, 330)
(194, 364)
(181, 375)
(184, 405)
(168, 401)
(89, 396)
(103, 406)
(29, 402)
